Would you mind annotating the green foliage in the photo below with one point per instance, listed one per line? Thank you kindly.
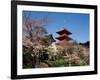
(86, 44)
(43, 56)
(27, 58)
(59, 63)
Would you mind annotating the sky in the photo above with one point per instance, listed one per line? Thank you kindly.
(77, 23)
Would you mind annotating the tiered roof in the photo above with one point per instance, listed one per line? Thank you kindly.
(64, 35)
(64, 31)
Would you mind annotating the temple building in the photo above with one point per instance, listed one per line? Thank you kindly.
(64, 39)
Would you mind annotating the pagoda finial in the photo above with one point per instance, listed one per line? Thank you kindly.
(65, 23)
(64, 28)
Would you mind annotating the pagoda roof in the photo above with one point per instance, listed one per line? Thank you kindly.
(63, 37)
(64, 31)
(51, 38)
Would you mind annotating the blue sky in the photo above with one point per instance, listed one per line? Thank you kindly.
(77, 23)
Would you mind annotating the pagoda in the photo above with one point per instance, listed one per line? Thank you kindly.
(63, 37)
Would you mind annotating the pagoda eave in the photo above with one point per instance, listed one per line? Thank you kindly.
(64, 31)
(63, 38)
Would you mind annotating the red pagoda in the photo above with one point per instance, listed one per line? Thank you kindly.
(63, 37)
